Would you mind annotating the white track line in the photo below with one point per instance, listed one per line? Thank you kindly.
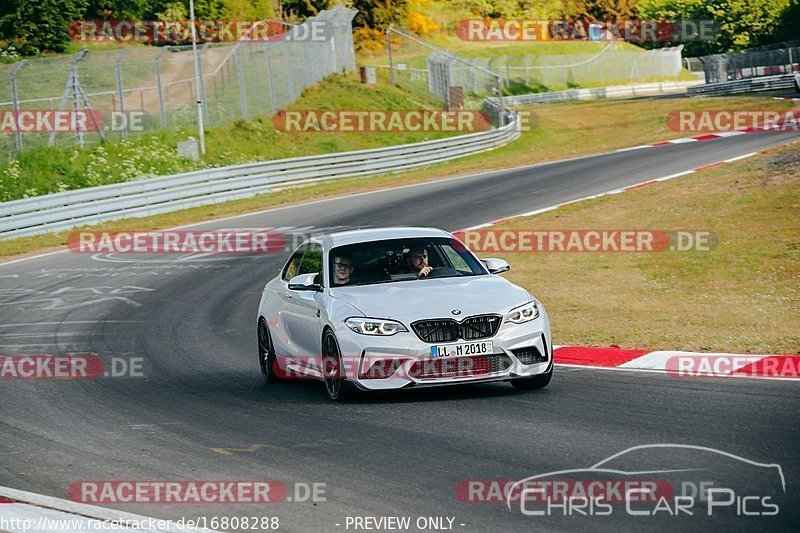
(614, 191)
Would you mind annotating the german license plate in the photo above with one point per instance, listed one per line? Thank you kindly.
(461, 348)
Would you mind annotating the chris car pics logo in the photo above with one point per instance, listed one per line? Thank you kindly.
(675, 480)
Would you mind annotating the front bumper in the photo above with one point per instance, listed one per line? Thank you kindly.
(403, 360)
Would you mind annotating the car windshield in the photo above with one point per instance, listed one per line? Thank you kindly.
(401, 259)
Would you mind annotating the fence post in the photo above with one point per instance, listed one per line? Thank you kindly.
(15, 104)
(76, 99)
(389, 49)
(289, 70)
(307, 81)
(162, 111)
(273, 98)
(331, 36)
(240, 76)
(526, 71)
(500, 99)
(201, 79)
(118, 70)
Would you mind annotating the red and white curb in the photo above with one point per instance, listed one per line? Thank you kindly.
(22, 511)
(715, 135)
(681, 364)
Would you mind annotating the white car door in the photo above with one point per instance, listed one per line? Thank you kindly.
(301, 312)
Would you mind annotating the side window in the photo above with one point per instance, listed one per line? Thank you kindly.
(292, 267)
(312, 260)
(456, 260)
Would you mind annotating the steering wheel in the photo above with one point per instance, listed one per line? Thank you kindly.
(442, 272)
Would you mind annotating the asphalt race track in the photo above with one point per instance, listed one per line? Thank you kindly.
(192, 319)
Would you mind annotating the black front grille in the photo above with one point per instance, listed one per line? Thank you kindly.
(480, 327)
(449, 330)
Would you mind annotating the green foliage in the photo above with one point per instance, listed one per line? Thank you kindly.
(302, 9)
(742, 23)
(789, 23)
(378, 14)
(119, 9)
(40, 25)
(43, 23)
(48, 169)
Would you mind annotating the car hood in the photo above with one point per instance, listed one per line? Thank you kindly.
(434, 298)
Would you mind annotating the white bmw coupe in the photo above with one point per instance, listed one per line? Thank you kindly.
(396, 308)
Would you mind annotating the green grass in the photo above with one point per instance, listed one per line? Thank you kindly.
(42, 170)
(741, 296)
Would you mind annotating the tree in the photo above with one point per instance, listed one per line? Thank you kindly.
(43, 23)
(119, 9)
(378, 14)
(740, 23)
(789, 23)
(302, 9)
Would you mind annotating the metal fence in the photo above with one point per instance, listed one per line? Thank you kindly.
(553, 72)
(239, 80)
(771, 60)
(425, 68)
(419, 67)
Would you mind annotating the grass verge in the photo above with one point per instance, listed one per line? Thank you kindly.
(42, 170)
(561, 131)
(742, 296)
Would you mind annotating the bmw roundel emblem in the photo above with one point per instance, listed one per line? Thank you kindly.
(456, 311)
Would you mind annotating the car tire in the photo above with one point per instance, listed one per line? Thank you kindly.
(535, 382)
(266, 355)
(338, 388)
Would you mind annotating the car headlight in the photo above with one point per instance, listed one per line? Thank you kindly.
(523, 313)
(375, 326)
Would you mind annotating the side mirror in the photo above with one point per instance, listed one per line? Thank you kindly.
(305, 282)
(496, 266)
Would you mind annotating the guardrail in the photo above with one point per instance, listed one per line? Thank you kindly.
(618, 91)
(61, 211)
(765, 83)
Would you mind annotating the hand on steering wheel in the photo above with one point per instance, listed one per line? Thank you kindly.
(424, 271)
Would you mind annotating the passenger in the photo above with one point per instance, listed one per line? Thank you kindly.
(342, 268)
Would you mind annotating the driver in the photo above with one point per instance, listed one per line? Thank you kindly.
(342, 268)
(418, 258)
